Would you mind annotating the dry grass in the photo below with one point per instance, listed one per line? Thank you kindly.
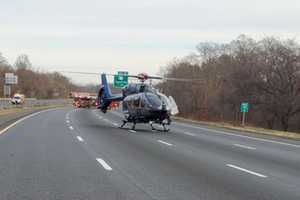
(251, 129)
(4, 112)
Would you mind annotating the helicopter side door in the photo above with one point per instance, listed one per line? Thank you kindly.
(137, 105)
(130, 104)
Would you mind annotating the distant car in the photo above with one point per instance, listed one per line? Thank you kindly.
(18, 99)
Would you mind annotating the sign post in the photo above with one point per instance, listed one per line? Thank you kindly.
(121, 79)
(7, 90)
(244, 110)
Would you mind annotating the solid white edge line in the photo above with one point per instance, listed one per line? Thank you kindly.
(247, 171)
(80, 139)
(188, 133)
(22, 119)
(163, 142)
(238, 135)
(104, 164)
(244, 146)
(133, 131)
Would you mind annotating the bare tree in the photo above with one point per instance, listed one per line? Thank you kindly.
(23, 62)
(265, 73)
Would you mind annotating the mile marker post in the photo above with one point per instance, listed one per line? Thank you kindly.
(244, 110)
(243, 119)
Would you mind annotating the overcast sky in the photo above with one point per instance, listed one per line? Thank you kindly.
(133, 35)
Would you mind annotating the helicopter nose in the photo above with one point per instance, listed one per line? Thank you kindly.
(163, 107)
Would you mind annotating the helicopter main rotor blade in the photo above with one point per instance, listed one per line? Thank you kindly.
(183, 79)
(85, 73)
(73, 72)
(136, 76)
(148, 77)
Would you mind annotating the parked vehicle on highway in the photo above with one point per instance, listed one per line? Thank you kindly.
(18, 99)
(83, 102)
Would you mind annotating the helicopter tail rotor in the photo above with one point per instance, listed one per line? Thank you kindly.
(105, 97)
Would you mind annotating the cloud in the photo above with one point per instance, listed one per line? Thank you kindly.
(133, 33)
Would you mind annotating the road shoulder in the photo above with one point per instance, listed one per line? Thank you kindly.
(247, 129)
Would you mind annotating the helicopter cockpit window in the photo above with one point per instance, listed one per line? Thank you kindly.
(130, 89)
(153, 99)
(142, 88)
(164, 99)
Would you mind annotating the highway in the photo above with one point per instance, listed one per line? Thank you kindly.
(80, 154)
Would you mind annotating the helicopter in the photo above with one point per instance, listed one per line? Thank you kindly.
(141, 102)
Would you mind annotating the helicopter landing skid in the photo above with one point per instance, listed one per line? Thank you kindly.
(165, 129)
(125, 122)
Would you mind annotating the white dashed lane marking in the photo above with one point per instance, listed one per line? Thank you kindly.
(80, 139)
(71, 127)
(246, 170)
(188, 133)
(244, 146)
(104, 164)
(163, 142)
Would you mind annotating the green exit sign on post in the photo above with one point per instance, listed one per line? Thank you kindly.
(244, 107)
(121, 79)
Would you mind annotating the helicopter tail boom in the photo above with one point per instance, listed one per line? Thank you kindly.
(106, 88)
(105, 97)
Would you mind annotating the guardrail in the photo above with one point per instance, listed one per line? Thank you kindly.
(5, 103)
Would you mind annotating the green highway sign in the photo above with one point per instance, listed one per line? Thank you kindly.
(121, 79)
(122, 73)
(244, 107)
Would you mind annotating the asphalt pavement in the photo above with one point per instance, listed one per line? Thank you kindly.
(81, 154)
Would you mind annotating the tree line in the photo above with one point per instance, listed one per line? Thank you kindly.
(35, 83)
(265, 73)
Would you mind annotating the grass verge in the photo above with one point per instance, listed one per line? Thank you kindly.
(20, 110)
